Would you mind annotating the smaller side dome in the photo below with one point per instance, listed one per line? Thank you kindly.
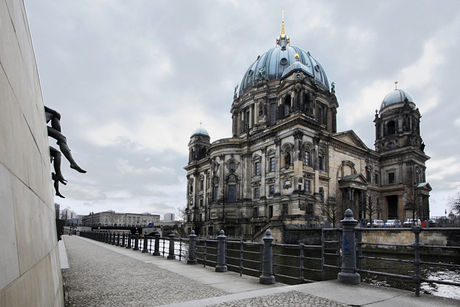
(200, 131)
(396, 96)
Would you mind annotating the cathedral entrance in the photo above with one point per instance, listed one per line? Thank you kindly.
(392, 202)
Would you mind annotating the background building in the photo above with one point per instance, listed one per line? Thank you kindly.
(169, 217)
(286, 164)
(111, 218)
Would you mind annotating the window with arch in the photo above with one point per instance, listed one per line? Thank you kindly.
(232, 166)
(307, 156)
(232, 192)
(272, 164)
(257, 168)
(287, 159)
(321, 161)
(287, 105)
(391, 127)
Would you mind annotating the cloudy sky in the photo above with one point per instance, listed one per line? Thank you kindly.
(134, 79)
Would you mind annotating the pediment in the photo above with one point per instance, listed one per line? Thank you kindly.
(350, 137)
(357, 181)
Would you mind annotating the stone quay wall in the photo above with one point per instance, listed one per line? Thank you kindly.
(29, 267)
(433, 236)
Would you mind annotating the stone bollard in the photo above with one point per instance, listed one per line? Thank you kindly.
(129, 241)
(171, 246)
(123, 239)
(157, 244)
(192, 248)
(114, 238)
(221, 263)
(136, 241)
(267, 268)
(348, 273)
(145, 248)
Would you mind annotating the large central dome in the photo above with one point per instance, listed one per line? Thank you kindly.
(272, 64)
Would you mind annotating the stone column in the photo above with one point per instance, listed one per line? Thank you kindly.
(267, 266)
(192, 249)
(221, 263)
(348, 273)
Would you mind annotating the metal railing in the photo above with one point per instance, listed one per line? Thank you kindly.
(289, 263)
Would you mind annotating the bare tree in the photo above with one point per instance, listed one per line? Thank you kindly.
(332, 210)
(372, 205)
(413, 198)
(454, 202)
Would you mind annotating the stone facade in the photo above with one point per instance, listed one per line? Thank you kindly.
(111, 218)
(29, 268)
(286, 164)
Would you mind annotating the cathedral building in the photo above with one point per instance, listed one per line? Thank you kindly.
(287, 166)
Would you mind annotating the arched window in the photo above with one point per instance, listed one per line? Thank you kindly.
(287, 105)
(287, 159)
(307, 157)
(391, 127)
(231, 166)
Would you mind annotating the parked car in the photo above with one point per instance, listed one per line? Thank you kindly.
(393, 223)
(412, 222)
(431, 223)
(376, 223)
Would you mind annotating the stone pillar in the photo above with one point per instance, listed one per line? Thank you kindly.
(145, 248)
(348, 273)
(192, 248)
(267, 266)
(157, 244)
(136, 241)
(221, 263)
(171, 246)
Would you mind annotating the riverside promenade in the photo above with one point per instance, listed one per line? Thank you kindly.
(99, 274)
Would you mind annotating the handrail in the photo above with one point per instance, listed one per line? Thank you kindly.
(288, 261)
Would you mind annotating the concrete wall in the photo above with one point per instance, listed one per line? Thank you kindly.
(30, 272)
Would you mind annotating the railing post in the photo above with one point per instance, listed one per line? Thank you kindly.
(323, 251)
(360, 249)
(136, 241)
(145, 248)
(192, 248)
(221, 263)
(417, 278)
(267, 269)
(118, 239)
(129, 241)
(348, 273)
(171, 246)
(123, 237)
(157, 244)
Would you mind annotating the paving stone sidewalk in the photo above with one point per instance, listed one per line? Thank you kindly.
(100, 277)
(100, 274)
